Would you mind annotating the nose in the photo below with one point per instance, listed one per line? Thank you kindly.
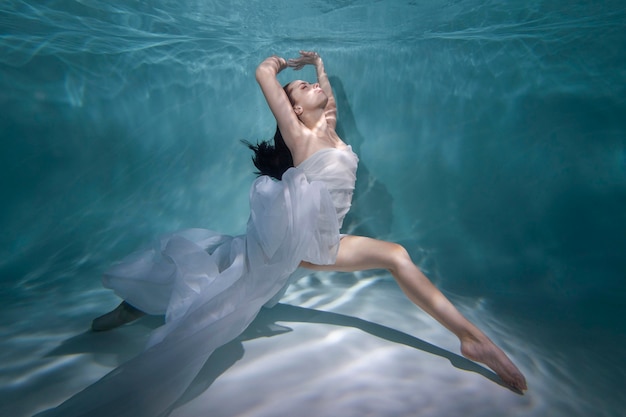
(316, 85)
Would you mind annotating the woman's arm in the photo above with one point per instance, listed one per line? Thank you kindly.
(277, 99)
(313, 58)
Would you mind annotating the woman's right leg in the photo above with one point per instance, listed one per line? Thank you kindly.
(361, 253)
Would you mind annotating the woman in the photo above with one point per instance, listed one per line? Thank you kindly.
(211, 286)
(307, 117)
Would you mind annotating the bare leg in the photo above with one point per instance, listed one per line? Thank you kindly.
(122, 314)
(360, 253)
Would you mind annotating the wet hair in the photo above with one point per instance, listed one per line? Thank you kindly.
(272, 159)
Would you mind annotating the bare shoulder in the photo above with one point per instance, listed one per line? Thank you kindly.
(308, 145)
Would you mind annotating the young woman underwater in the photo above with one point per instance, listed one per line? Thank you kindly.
(307, 117)
(211, 286)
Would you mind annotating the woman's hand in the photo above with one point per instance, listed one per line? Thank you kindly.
(306, 58)
(272, 66)
(281, 62)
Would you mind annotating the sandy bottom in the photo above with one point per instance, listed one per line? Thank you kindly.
(337, 345)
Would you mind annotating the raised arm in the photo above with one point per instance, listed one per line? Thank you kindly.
(277, 99)
(313, 58)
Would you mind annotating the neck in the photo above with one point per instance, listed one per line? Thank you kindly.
(316, 122)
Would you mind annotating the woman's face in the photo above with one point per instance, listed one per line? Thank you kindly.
(306, 95)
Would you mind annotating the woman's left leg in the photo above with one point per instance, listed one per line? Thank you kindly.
(361, 253)
(122, 314)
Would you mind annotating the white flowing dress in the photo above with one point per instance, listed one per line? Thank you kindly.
(211, 286)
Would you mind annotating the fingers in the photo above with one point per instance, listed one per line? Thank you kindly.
(306, 57)
(295, 63)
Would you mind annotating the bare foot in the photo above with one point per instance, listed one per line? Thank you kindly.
(487, 352)
(124, 313)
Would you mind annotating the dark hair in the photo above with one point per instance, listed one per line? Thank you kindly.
(272, 160)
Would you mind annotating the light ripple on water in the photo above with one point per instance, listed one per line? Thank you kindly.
(202, 36)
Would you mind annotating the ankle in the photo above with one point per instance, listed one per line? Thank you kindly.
(131, 310)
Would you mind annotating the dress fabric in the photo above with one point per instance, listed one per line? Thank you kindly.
(211, 286)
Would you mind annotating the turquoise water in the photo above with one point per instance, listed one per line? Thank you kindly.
(492, 141)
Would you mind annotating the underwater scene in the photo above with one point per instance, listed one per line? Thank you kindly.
(491, 139)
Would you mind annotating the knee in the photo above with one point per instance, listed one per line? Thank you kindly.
(399, 258)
